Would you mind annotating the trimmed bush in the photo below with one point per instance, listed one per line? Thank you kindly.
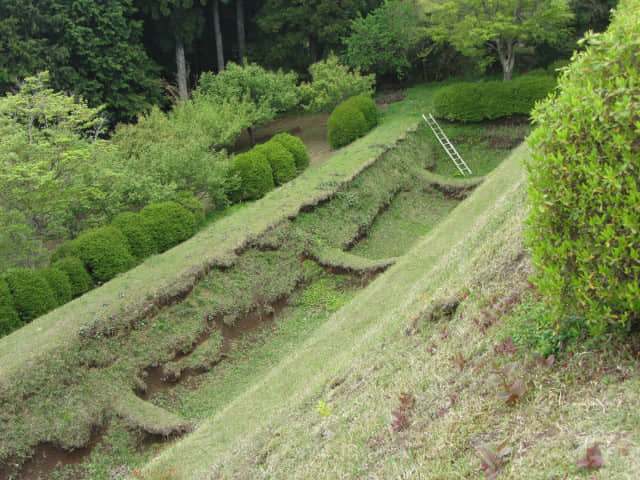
(104, 252)
(59, 283)
(475, 102)
(9, 318)
(368, 108)
(66, 249)
(169, 223)
(188, 200)
(346, 124)
(296, 147)
(136, 230)
(585, 182)
(283, 165)
(31, 293)
(255, 176)
(79, 278)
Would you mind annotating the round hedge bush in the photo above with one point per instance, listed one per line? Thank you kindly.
(346, 124)
(104, 252)
(31, 293)
(79, 278)
(66, 249)
(189, 201)
(59, 283)
(9, 318)
(461, 102)
(296, 147)
(255, 176)
(584, 177)
(136, 230)
(169, 223)
(281, 160)
(368, 108)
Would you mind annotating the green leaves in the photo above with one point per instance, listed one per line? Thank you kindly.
(584, 182)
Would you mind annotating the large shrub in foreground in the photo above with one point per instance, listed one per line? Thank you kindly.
(9, 319)
(346, 124)
(368, 108)
(169, 223)
(31, 293)
(104, 252)
(584, 191)
(296, 147)
(59, 283)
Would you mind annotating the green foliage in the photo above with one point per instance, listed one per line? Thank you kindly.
(346, 124)
(137, 232)
(283, 163)
(387, 40)
(31, 293)
(296, 147)
(78, 276)
(9, 318)
(584, 181)
(104, 252)
(189, 201)
(475, 102)
(254, 173)
(332, 83)
(483, 30)
(59, 283)
(368, 108)
(268, 93)
(169, 223)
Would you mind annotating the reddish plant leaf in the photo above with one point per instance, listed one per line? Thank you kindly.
(593, 458)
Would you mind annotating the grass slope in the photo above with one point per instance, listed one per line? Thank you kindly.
(255, 424)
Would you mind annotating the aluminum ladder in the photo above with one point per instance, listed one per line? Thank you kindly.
(460, 164)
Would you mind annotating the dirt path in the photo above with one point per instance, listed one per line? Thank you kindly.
(311, 128)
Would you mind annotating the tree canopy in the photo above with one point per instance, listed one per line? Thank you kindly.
(489, 28)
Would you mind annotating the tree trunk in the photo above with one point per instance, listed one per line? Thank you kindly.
(181, 69)
(242, 47)
(218, 34)
(507, 54)
(252, 137)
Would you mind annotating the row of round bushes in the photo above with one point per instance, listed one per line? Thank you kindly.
(265, 166)
(478, 101)
(96, 256)
(351, 120)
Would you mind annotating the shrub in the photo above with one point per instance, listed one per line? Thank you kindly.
(462, 102)
(31, 293)
(104, 252)
(255, 176)
(283, 165)
(188, 200)
(136, 230)
(66, 249)
(333, 83)
(346, 124)
(585, 182)
(169, 223)
(368, 108)
(9, 318)
(59, 283)
(475, 102)
(79, 278)
(296, 147)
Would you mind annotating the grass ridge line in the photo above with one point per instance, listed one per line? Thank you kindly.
(167, 278)
(380, 310)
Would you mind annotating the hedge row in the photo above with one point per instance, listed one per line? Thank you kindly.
(478, 101)
(351, 120)
(256, 172)
(96, 256)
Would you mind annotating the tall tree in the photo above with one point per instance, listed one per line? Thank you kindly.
(242, 44)
(488, 28)
(296, 34)
(218, 34)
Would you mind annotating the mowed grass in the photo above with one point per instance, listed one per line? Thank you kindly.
(325, 410)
